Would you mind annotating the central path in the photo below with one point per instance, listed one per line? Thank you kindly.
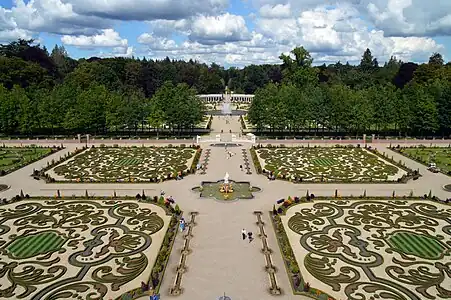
(221, 260)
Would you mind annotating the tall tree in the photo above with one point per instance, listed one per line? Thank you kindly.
(436, 59)
(368, 63)
(298, 70)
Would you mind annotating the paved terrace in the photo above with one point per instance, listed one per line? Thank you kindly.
(220, 261)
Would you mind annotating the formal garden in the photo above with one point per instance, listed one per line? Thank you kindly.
(371, 248)
(13, 158)
(327, 164)
(441, 156)
(84, 248)
(126, 164)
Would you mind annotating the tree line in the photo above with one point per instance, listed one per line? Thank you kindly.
(49, 93)
(395, 99)
(45, 93)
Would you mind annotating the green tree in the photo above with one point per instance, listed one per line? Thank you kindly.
(298, 70)
(436, 59)
(8, 111)
(368, 63)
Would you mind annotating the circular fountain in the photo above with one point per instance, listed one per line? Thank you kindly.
(226, 189)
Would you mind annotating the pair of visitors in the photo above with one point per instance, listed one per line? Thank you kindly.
(249, 235)
(179, 176)
(245, 234)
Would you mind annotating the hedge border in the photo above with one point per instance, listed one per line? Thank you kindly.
(410, 173)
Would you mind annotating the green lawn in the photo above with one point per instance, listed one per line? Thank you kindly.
(14, 158)
(440, 156)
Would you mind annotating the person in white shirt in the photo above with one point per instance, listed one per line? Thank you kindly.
(244, 234)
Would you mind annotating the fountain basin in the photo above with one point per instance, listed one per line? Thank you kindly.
(212, 189)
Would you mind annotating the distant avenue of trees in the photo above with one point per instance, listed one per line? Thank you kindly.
(395, 99)
(44, 93)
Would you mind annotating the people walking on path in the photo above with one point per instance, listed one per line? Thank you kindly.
(182, 224)
(243, 233)
(241, 167)
(251, 238)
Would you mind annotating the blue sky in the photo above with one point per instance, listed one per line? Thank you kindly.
(232, 32)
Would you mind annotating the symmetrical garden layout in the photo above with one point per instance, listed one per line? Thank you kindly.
(12, 158)
(328, 164)
(124, 164)
(353, 249)
(58, 249)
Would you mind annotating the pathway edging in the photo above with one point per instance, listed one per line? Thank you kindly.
(274, 288)
(177, 289)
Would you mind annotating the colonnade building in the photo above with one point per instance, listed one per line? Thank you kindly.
(234, 98)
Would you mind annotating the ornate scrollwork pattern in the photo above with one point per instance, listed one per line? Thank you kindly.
(366, 250)
(76, 249)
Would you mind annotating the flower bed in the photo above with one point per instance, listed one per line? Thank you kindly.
(329, 165)
(334, 241)
(126, 164)
(139, 239)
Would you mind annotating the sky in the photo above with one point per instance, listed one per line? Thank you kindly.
(234, 32)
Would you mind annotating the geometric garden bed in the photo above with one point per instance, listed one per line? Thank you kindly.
(368, 249)
(126, 164)
(329, 164)
(83, 248)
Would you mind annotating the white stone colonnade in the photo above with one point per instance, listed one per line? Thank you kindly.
(236, 98)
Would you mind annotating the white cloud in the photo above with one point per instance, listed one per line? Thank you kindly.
(340, 34)
(411, 17)
(330, 34)
(208, 30)
(142, 10)
(168, 27)
(108, 38)
(203, 30)
(10, 35)
(157, 42)
(53, 16)
(8, 28)
(223, 28)
(278, 11)
(283, 31)
(394, 17)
